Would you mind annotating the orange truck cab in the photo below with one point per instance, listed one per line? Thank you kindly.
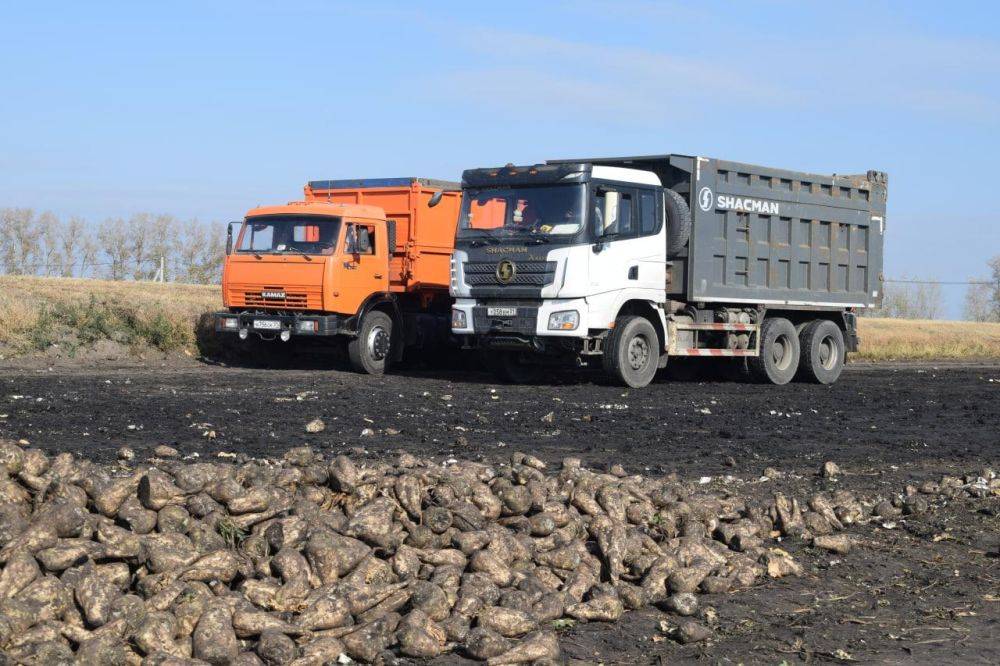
(366, 261)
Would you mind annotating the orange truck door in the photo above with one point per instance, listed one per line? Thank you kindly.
(362, 265)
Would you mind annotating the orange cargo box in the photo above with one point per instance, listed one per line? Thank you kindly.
(424, 236)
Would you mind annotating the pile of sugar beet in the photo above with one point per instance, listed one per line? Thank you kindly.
(312, 561)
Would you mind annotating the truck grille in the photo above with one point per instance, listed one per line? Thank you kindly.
(528, 274)
(252, 296)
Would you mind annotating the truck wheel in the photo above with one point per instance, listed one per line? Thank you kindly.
(510, 369)
(632, 352)
(369, 352)
(779, 352)
(823, 351)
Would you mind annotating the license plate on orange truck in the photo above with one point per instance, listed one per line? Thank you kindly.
(267, 324)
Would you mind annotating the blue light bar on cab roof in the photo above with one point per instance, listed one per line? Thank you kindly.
(364, 183)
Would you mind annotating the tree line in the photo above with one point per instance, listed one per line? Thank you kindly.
(912, 298)
(118, 248)
(192, 251)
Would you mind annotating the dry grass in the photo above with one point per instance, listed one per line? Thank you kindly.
(36, 313)
(919, 339)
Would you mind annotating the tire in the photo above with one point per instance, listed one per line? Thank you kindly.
(678, 222)
(370, 351)
(632, 352)
(510, 369)
(823, 352)
(779, 353)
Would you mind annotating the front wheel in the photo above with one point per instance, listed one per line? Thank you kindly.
(632, 352)
(779, 352)
(369, 351)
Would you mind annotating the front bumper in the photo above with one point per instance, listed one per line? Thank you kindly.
(529, 320)
(319, 325)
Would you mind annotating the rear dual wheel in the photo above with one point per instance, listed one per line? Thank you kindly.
(823, 352)
(778, 360)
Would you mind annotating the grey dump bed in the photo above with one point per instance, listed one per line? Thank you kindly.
(770, 236)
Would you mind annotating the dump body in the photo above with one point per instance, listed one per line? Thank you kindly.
(424, 236)
(773, 237)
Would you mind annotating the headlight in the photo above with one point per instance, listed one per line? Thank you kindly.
(458, 319)
(231, 323)
(567, 320)
(308, 326)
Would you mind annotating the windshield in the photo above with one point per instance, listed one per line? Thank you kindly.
(298, 234)
(539, 211)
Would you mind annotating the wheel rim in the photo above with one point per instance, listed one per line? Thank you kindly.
(378, 343)
(829, 353)
(638, 353)
(781, 352)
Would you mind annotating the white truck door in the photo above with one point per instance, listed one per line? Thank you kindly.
(626, 258)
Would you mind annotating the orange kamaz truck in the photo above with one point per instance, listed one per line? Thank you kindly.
(362, 262)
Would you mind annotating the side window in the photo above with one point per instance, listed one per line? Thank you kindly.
(366, 240)
(359, 239)
(626, 215)
(649, 222)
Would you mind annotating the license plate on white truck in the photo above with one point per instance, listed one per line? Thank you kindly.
(501, 312)
(267, 324)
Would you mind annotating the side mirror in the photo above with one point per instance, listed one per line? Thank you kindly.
(229, 237)
(351, 240)
(610, 212)
(435, 199)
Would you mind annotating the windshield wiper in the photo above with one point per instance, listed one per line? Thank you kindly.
(480, 241)
(298, 251)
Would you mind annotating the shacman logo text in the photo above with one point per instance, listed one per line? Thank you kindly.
(706, 200)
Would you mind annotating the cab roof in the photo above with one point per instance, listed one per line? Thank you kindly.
(320, 208)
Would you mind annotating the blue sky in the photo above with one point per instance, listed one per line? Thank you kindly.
(206, 109)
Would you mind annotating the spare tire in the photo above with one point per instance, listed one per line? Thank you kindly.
(678, 223)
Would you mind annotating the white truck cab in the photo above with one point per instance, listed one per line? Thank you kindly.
(547, 258)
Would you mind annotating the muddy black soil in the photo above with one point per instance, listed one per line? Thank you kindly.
(925, 589)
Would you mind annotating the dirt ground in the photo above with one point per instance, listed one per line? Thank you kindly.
(921, 589)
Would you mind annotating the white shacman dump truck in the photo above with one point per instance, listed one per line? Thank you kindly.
(633, 261)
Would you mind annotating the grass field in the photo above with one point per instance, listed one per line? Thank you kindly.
(36, 313)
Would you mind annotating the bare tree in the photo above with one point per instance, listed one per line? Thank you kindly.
(20, 241)
(71, 239)
(51, 260)
(994, 265)
(982, 301)
(163, 242)
(88, 256)
(200, 253)
(911, 301)
(114, 243)
(978, 306)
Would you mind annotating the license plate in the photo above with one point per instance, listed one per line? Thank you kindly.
(267, 324)
(501, 312)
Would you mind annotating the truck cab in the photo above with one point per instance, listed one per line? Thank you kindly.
(547, 256)
(361, 262)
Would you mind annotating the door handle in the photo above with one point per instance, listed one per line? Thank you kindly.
(378, 276)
